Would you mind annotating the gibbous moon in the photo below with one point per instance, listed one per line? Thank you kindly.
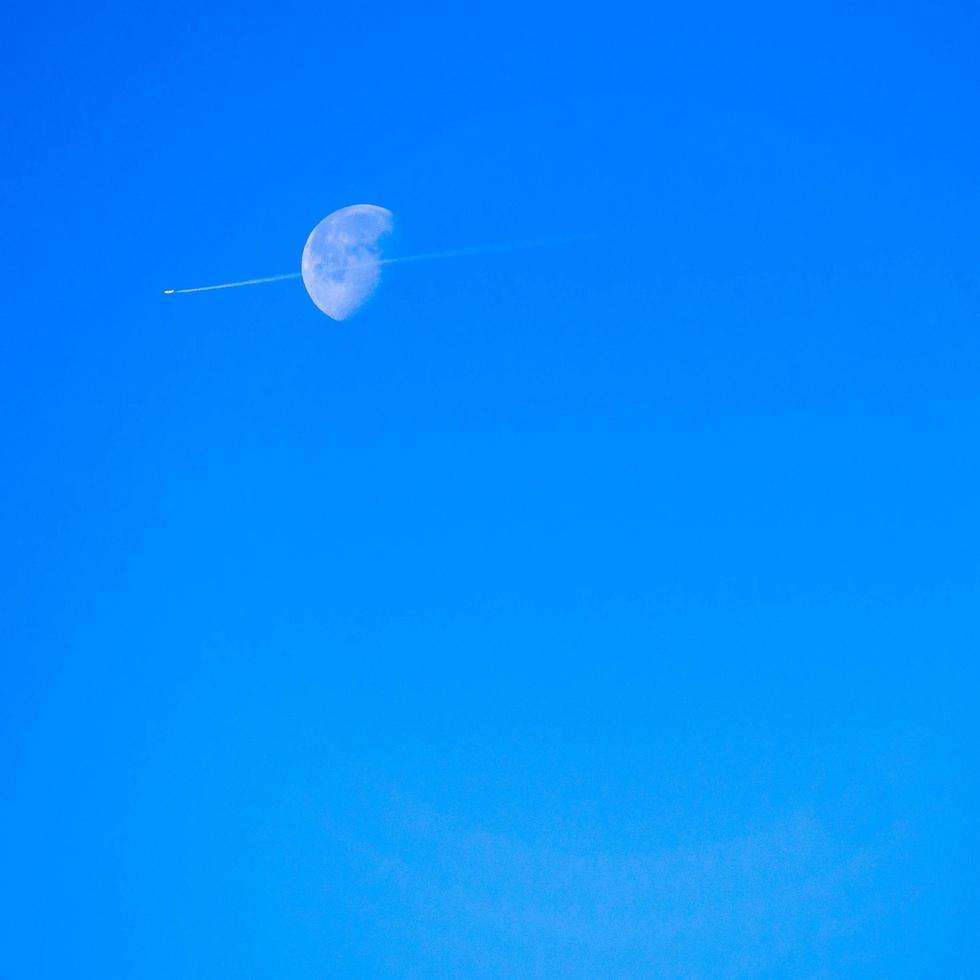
(342, 258)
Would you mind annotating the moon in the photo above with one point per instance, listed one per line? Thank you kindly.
(342, 258)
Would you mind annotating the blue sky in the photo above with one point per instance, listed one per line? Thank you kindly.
(605, 610)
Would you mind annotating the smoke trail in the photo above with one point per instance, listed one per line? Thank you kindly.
(422, 257)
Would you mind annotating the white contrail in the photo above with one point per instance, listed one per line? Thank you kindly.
(485, 249)
(231, 285)
(424, 256)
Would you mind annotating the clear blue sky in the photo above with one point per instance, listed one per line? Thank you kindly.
(608, 610)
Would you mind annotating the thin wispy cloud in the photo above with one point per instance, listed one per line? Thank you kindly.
(745, 903)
